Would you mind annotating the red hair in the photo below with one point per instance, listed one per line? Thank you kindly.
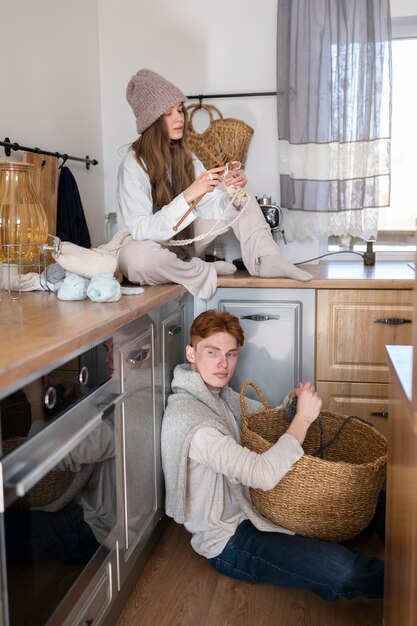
(211, 322)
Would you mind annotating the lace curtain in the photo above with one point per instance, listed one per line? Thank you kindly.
(334, 115)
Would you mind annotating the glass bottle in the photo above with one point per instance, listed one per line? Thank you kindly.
(23, 220)
(111, 225)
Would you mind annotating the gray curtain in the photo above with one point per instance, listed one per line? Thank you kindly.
(334, 108)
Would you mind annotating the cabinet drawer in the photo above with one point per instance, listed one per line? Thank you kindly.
(367, 400)
(99, 598)
(351, 337)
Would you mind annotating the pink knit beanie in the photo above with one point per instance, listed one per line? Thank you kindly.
(150, 96)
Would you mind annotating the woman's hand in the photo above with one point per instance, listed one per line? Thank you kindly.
(204, 183)
(309, 404)
(235, 177)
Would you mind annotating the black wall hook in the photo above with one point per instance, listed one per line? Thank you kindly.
(64, 158)
(9, 146)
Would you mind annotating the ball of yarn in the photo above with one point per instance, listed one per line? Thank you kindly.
(292, 409)
(54, 273)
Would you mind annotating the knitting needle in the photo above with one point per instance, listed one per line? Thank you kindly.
(229, 167)
(194, 204)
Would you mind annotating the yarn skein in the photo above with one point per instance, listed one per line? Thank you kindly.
(291, 410)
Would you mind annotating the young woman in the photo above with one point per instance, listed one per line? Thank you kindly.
(208, 474)
(160, 179)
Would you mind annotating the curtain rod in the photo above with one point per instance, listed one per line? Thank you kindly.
(232, 95)
(9, 146)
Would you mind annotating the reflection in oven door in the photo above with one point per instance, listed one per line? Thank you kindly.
(59, 504)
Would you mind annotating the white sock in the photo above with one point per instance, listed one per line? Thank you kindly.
(274, 266)
(224, 269)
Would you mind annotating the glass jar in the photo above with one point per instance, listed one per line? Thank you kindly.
(23, 220)
(215, 252)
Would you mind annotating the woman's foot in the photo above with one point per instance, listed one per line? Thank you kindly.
(223, 268)
(273, 266)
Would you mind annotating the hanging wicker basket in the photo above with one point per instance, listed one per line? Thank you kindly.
(225, 139)
(329, 498)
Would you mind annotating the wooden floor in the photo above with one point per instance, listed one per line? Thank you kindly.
(180, 588)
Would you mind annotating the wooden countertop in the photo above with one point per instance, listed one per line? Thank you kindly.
(333, 275)
(38, 331)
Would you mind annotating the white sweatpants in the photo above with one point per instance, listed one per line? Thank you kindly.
(148, 263)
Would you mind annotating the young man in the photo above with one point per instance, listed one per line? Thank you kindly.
(208, 474)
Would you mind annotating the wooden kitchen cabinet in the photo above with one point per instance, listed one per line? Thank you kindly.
(367, 400)
(400, 599)
(353, 328)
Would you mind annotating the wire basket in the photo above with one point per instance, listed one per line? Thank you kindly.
(331, 498)
(20, 259)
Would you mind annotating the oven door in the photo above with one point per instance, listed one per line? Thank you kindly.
(59, 517)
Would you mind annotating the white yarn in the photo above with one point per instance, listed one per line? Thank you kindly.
(235, 193)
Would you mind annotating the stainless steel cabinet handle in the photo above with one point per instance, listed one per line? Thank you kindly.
(175, 330)
(137, 355)
(392, 321)
(379, 413)
(22, 484)
(22, 471)
(260, 317)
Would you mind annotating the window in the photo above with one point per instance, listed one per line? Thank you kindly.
(397, 223)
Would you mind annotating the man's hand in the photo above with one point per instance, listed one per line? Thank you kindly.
(308, 409)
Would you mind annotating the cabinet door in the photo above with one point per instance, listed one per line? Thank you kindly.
(369, 401)
(138, 462)
(353, 328)
(279, 339)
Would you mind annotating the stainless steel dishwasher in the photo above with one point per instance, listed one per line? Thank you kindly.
(279, 325)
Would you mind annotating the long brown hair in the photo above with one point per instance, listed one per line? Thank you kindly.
(157, 153)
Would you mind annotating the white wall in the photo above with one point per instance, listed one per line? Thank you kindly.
(50, 92)
(202, 48)
(401, 8)
(212, 47)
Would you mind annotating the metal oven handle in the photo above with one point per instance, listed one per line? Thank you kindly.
(21, 474)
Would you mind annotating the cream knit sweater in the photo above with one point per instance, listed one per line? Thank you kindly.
(209, 492)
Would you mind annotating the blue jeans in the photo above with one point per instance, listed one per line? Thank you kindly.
(327, 568)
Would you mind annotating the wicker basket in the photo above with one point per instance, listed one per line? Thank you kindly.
(48, 489)
(225, 139)
(330, 498)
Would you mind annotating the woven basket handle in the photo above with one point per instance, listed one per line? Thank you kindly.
(243, 397)
(209, 108)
